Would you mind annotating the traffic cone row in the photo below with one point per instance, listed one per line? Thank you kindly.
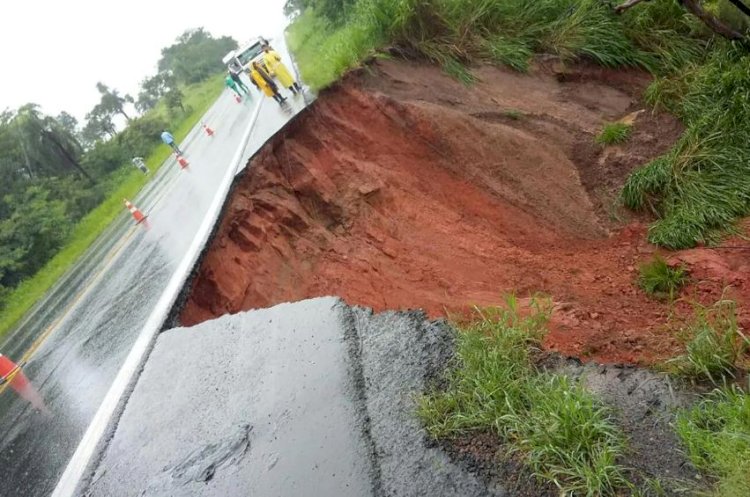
(11, 373)
(135, 212)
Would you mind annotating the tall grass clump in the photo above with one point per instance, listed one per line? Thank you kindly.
(667, 35)
(715, 344)
(450, 32)
(324, 51)
(562, 433)
(702, 185)
(659, 279)
(614, 133)
(716, 435)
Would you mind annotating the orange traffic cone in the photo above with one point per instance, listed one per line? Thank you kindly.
(208, 130)
(238, 99)
(137, 214)
(183, 162)
(11, 373)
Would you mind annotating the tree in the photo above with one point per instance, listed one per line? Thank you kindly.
(111, 102)
(174, 100)
(293, 8)
(45, 144)
(696, 8)
(154, 88)
(68, 123)
(195, 56)
(31, 236)
(98, 126)
(142, 135)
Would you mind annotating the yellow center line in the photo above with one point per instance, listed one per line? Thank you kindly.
(114, 251)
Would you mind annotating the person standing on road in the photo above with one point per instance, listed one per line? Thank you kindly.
(276, 66)
(168, 139)
(234, 72)
(264, 83)
(232, 85)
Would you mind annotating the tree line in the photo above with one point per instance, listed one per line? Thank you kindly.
(55, 170)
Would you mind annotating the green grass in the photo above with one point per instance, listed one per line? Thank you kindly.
(702, 186)
(198, 98)
(715, 344)
(324, 53)
(660, 280)
(716, 434)
(513, 114)
(454, 33)
(563, 435)
(614, 133)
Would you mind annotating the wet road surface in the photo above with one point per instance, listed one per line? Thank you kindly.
(76, 339)
(313, 398)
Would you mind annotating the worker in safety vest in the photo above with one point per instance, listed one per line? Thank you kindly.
(264, 83)
(277, 68)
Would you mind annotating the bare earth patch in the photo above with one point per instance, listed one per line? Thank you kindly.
(401, 188)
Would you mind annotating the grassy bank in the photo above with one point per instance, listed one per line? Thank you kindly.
(562, 433)
(697, 190)
(716, 434)
(128, 183)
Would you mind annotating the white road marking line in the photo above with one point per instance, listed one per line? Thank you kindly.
(79, 463)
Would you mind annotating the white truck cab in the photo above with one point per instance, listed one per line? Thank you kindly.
(246, 53)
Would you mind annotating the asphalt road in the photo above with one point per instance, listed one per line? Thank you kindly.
(76, 339)
(312, 398)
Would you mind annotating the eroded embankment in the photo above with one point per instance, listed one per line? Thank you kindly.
(402, 188)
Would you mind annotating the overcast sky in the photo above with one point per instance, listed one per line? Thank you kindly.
(52, 52)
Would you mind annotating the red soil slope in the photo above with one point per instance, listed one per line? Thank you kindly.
(403, 189)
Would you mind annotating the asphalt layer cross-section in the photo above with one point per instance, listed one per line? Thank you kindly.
(310, 398)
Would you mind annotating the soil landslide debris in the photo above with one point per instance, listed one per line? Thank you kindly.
(402, 188)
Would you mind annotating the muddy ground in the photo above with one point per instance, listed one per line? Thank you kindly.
(401, 188)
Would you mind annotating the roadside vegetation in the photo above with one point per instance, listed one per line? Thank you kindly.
(614, 133)
(697, 190)
(659, 279)
(562, 433)
(567, 437)
(716, 434)
(716, 430)
(715, 344)
(64, 183)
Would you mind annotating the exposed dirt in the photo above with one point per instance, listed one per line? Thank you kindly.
(401, 188)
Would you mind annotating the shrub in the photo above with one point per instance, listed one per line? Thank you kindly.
(715, 344)
(657, 278)
(614, 133)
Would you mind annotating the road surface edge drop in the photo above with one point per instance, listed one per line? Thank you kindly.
(126, 376)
